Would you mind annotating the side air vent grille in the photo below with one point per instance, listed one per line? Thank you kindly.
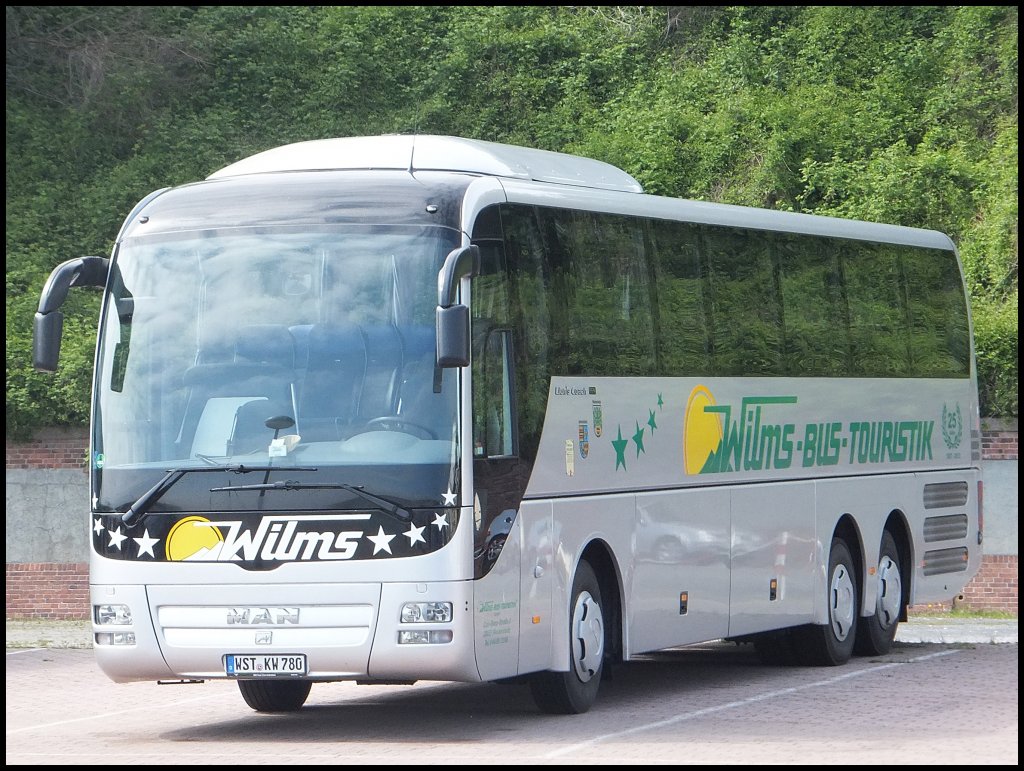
(945, 495)
(945, 561)
(953, 527)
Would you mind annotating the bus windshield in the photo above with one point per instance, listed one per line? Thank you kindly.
(311, 348)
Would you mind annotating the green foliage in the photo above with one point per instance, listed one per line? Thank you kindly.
(903, 114)
(996, 341)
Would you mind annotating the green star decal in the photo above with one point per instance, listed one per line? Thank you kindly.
(620, 445)
(661, 402)
(651, 422)
(638, 437)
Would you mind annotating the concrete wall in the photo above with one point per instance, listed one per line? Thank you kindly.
(46, 515)
(1000, 506)
(47, 542)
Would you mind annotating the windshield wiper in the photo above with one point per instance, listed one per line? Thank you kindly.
(141, 507)
(381, 503)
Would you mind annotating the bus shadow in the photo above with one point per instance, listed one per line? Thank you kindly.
(460, 712)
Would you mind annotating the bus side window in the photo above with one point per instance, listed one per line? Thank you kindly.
(493, 396)
(493, 416)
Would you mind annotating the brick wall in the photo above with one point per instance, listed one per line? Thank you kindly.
(60, 591)
(48, 590)
(995, 583)
(51, 448)
(998, 439)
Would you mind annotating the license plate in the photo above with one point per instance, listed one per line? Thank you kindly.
(263, 665)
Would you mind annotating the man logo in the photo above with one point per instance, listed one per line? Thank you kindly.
(254, 616)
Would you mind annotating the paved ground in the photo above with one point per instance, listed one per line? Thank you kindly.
(42, 633)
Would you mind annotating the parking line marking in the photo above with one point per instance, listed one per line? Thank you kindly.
(735, 704)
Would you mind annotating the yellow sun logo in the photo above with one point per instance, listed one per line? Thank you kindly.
(702, 431)
(191, 536)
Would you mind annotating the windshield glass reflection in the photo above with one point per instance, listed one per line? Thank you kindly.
(258, 346)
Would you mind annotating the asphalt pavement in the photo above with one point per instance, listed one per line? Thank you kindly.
(45, 633)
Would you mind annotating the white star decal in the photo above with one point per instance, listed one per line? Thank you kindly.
(97, 526)
(440, 520)
(415, 534)
(116, 538)
(146, 544)
(449, 497)
(381, 541)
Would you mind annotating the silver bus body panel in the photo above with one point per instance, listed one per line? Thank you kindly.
(730, 543)
(334, 626)
(762, 429)
(501, 615)
(721, 538)
(347, 630)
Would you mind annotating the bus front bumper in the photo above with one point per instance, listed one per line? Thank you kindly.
(373, 631)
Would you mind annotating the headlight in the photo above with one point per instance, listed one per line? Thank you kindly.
(113, 615)
(426, 613)
(108, 615)
(115, 638)
(424, 637)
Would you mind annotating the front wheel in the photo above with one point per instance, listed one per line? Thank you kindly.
(831, 644)
(274, 695)
(875, 634)
(574, 692)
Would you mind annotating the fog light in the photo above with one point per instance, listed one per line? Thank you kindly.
(425, 637)
(115, 638)
(108, 615)
(426, 612)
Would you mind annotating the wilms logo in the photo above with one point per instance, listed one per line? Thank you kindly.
(702, 430)
(714, 440)
(718, 438)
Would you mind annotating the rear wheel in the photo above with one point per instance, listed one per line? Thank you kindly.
(574, 692)
(274, 695)
(831, 644)
(876, 633)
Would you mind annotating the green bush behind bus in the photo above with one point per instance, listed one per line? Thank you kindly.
(904, 114)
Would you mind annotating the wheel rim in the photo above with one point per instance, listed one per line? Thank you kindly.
(588, 636)
(842, 602)
(890, 591)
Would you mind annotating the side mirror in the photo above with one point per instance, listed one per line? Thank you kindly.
(452, 319)
(47, 331)
(461, 262)
(453, 336)
(48, 324)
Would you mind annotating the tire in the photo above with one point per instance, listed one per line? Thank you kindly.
(575, 691)
(275, 695)
(831, 644)
(876, 633)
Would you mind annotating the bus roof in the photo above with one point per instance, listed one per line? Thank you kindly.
(597, 185)
(419, 152)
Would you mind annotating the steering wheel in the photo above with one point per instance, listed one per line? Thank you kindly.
(398, 423)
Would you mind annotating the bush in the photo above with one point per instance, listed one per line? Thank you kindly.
(996, 343)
